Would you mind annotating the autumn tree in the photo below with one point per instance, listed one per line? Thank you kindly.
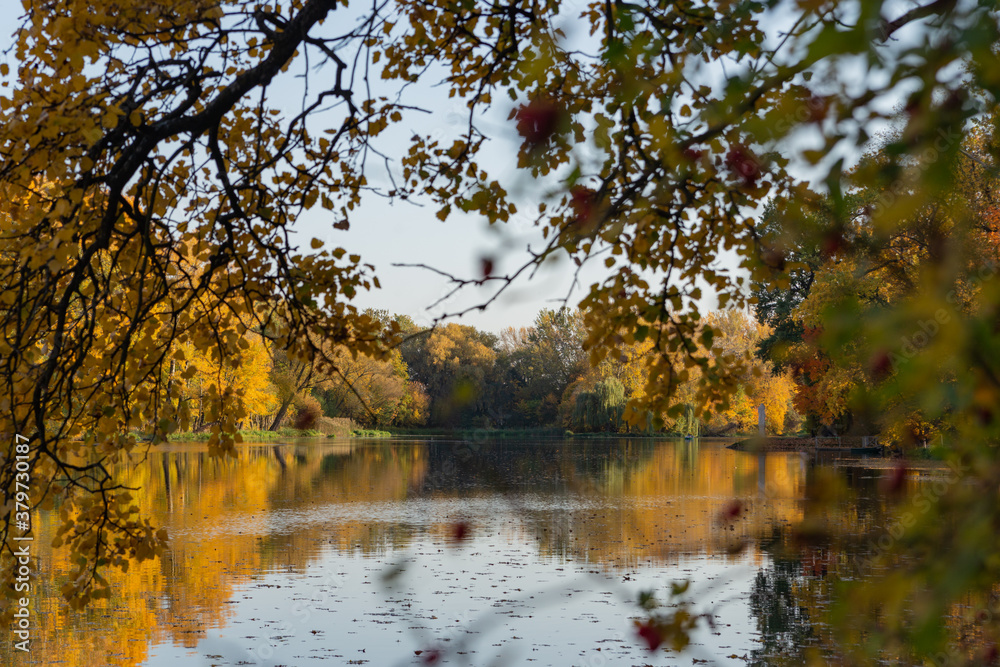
(598, 397)
(374, 392)
(789, 234)
(870, 273)
(455, 364)
(734, 338)
(138, 136)
(739, 336)
(294, 378)
(247, 375)
(536, 364)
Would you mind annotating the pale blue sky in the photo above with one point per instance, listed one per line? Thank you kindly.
(385, 234)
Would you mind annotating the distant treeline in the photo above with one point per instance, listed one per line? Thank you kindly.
(456, 376)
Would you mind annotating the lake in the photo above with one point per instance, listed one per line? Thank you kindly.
(475, 552)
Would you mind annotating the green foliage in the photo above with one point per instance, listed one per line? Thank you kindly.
(534, 366)
(370, 433)
(797, 242)
(688, 423)
(252, 435)
(602, 409)
(454, 364)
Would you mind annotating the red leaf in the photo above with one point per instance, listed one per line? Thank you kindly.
(693, 155)
(742, 162)
(650, 634)
(833, 242)
(460, 531)
(486, 266)
(880, 365)
(731, 511)
(538, 120)
(818, 107)
(893, 483)
(582, 203)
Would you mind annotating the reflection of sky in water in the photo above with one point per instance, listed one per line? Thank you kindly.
(496, 593)
(562, 537)
(486, 602)
(521, 589)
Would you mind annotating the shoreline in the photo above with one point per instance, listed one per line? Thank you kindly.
(855, 445)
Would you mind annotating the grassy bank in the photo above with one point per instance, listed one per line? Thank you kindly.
(282, 434)
(370, 433)
(497, 433)
(251, 435)
(544, 433)
(520, 433)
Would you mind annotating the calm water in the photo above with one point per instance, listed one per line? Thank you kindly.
(382, 553)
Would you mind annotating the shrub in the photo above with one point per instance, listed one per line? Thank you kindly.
(308, 414)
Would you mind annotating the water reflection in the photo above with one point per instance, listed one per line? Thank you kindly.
(785, 625)
(614, 506)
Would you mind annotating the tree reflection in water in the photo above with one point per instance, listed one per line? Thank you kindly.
(784, 624)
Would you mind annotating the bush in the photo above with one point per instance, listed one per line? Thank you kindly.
(339, 427)
(308, 414)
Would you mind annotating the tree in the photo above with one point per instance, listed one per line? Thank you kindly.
(556, 350)
(374, 392)
(585, 400)
(601, 409)
(454, 365)
(738, 336)
(247, 375)
(535, 365)
(150, 147)
(878, 273)
(786, 236)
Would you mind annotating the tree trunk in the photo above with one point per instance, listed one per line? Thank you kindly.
(282, 411)
(204, 426)
(719, 432)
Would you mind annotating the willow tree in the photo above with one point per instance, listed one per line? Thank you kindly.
(600, 409)
(140, 132)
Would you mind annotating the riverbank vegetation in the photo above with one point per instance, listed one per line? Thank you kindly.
(458, 377)
(253, 435)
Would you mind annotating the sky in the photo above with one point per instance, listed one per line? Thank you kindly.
(401, 233)
(390, 234)
(387, 234)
